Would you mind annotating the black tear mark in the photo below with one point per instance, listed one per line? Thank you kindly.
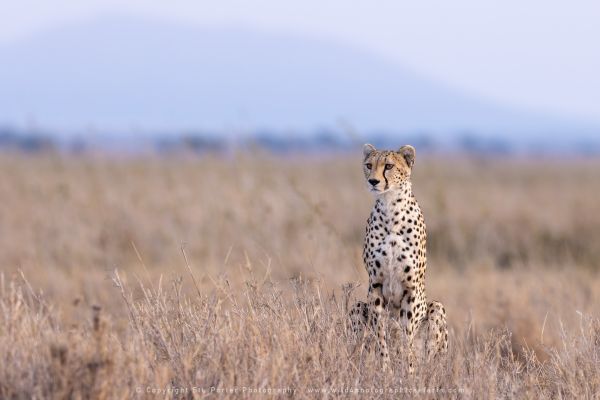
(385, 177)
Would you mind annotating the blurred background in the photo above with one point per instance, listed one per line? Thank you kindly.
(222, 141)
(509, 77)
(130, 129)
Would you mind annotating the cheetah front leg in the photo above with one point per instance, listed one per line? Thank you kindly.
(437, 330)
(410, 320)
(376, 302)
(362, 315)
(359, 317)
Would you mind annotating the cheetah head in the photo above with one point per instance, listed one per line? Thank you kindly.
(387, 170)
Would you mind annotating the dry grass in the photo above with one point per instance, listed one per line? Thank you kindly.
(110, 306)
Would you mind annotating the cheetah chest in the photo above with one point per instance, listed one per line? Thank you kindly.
(394, 250)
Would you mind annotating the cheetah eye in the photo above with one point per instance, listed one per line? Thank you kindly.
(389, 166)
(369, 166)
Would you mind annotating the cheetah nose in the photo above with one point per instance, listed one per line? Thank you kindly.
(373, 181)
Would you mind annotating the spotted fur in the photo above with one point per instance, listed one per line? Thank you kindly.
(395, 257)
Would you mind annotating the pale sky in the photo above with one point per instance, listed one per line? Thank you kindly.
(540, 55)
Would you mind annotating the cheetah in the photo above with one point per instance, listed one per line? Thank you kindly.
(395, 258)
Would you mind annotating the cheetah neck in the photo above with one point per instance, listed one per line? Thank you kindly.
(396, 198)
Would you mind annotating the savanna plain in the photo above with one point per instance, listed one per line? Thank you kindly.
(185, 276)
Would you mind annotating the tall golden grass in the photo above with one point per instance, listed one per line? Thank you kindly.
(231, 276)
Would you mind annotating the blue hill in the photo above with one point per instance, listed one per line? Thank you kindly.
(120, 74)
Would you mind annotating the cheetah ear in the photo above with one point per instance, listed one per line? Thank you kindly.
(408, 152)
(368, 149)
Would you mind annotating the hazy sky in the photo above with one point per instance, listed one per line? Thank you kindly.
(538, 54)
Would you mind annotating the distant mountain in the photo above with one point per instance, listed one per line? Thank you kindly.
(126, 74)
